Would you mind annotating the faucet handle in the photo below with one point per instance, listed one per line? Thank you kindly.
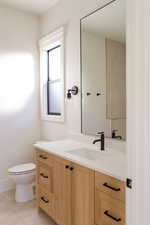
(114, 133)
(102, 132)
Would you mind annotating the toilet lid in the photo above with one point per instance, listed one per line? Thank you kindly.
(23, 168)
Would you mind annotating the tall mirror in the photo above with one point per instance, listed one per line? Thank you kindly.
(103, 67)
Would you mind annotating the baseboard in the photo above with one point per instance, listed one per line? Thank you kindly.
(6, 185)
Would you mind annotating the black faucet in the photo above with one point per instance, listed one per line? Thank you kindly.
(114, 134)
(102, 140)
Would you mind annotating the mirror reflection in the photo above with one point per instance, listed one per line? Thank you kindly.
(103, 50)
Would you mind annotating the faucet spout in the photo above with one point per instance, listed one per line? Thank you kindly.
(95, 141)
(114, 134)
(102, 140)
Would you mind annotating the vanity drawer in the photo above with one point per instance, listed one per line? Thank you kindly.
(44, 157)
(44, 177)
(110, 186)
(108, 211)
(46, 202)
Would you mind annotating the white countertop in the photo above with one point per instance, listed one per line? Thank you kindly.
(111, 162)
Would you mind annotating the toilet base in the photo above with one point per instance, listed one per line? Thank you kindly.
(24, 193)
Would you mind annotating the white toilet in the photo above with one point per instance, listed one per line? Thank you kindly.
(24, 177)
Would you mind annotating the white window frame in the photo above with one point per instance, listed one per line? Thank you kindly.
(50, 41)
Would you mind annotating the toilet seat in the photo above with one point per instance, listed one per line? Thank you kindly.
(22, 169)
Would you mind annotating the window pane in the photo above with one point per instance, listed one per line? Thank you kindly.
(54, 63)
(54, 98)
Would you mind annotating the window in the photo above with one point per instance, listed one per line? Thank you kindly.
(53, 82)
(52, 76)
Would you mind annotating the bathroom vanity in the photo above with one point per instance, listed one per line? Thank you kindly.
(79, 185)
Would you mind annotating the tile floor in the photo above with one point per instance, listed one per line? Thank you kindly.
(12, 213)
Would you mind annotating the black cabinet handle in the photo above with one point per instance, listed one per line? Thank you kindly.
(44, 200)
(112, 217)
(42, 175)
(112, 188)
(88, 93)
(67, 166)
(71, 168)
(98, 94)
(43, 157)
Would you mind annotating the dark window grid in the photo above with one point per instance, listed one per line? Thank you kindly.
(50, 82)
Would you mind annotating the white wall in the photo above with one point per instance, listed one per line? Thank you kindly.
(19, 102)
(68, 13)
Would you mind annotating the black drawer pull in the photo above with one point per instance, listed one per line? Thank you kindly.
(44, 200)
(71, 168)
(112, 188)
(42, 175)
(67, 166)
(43, 157)
(112, 217)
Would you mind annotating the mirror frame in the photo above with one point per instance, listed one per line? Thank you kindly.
(81, 80)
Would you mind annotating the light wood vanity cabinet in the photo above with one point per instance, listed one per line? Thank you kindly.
(109, 200)
(110, 186)
(82, 182)
(75, 195)
(62, 190)
(65, 190)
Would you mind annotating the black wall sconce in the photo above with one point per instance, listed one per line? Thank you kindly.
(73, 91)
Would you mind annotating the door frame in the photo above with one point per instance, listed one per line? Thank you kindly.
(138, 111)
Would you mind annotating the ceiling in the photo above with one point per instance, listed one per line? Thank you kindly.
(33, 6)
(109, 22)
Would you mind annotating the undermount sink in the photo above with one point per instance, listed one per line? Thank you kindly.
(88, 153)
